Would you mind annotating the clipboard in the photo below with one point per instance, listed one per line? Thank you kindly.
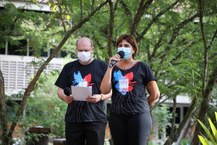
(81, 93)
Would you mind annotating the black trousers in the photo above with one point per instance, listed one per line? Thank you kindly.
(90, 133)
(130, 129)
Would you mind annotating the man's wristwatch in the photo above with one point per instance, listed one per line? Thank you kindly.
(101, 98)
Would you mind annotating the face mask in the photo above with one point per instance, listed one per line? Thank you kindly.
(84, 56)
(127, 52)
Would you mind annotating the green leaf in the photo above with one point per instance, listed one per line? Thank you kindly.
(207, 131)
(216, 116)
(213, 128)
(203, 140)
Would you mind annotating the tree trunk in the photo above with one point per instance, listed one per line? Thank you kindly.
(111, 27)
(205, 104)
(207, 85)
(3, 111)
(175, 135)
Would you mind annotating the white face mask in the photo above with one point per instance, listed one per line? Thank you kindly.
(84, 56)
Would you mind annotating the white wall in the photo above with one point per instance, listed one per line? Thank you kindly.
(18, 70)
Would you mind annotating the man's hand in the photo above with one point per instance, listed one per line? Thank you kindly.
(94, 99)
(67, 99)
(63, 97)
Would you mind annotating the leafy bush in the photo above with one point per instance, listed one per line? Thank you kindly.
(161, 116)
(44, 107)
(212, 134)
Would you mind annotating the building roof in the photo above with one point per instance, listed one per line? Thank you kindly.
(28, 5)
(180, 99)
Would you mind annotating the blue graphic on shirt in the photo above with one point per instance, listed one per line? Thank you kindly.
(129, 76)
(77, 78)
(117, 76)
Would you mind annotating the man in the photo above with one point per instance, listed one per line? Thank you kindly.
(85, 121)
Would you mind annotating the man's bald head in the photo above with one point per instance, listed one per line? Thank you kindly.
(84, 40)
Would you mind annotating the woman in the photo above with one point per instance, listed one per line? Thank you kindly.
(130, 119)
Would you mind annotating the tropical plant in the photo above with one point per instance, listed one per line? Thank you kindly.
(211, 138)
(44, 107)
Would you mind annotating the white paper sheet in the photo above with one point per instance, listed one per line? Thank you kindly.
(81, 93)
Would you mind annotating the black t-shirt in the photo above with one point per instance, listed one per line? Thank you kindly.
(74, 73)
(129, 89)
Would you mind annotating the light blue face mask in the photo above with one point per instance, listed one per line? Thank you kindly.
(127, 52)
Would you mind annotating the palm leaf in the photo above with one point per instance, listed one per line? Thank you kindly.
(213, 128)
(207, 132)
(203, 140)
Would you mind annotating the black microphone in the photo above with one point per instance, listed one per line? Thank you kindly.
(113, 62)
(67, 91)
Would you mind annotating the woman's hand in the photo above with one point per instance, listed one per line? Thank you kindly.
(154, 93)
(113, 60)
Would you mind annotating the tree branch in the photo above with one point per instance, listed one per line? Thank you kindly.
(174, 135)
(201, 12)
(158, 44)
(172, 39)
(111, 27)
(174, 116)
(140, 11)
(81, 10)
(126, 11)
(175, 34)
(179, 54)
(207, 85)
(204, 105)
(155, 19)
(61, 15)
(210, 44)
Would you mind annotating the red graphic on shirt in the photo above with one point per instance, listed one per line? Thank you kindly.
(129, 76)
(87, 79)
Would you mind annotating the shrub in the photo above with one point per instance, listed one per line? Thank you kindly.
(45, 108)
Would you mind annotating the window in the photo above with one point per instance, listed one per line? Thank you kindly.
(2, 48)
(17, 47)
(22, 48)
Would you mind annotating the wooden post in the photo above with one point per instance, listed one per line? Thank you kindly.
(59, 141)
(40, 135)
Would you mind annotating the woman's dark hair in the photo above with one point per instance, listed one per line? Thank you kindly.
(130, 39)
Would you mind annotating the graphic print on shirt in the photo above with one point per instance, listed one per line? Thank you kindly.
(124, 83)
(79, 81)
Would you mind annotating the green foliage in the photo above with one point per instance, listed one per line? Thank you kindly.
(8, 23)
(42, 30)
(34, 138)
(161, 116)
(45, 108)
(211, 138)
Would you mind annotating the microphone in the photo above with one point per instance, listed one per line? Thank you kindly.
(67, 91)
(113, 62)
